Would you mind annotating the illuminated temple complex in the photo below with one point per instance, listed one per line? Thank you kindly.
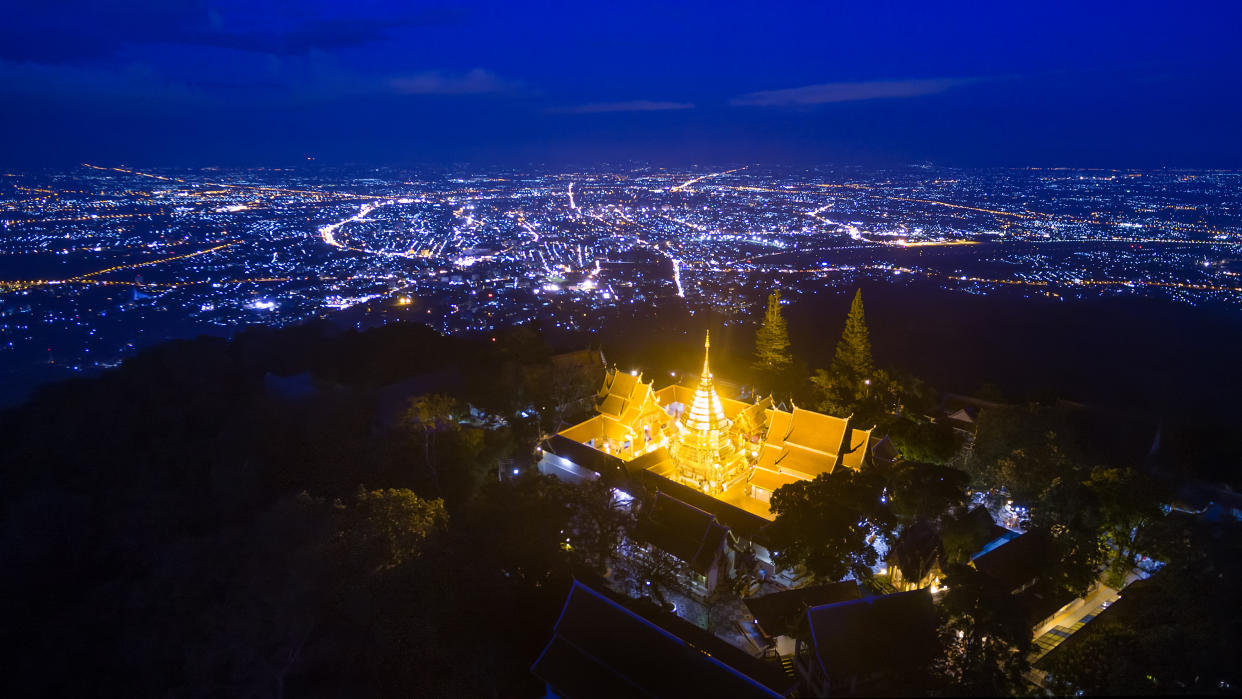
(678, 438)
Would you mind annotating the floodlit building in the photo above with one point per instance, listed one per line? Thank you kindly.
(917, 558)
(734, 451)
(715, 455)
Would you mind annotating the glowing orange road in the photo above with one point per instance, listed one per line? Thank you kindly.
(687, 183)
(278, 190)
(87, 278)
(995, 212)
(136, 265)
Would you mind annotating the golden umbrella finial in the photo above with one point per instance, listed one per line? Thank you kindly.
(707, 347)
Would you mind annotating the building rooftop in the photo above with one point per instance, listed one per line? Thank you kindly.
(601, 648)
(1016, 562)
(690, 534)
(783, 613)
(890, 635)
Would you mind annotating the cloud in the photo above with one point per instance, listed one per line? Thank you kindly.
(631, 106)
(825, 93)
(474, 82)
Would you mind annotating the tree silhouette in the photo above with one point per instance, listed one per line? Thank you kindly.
(429, 415)
(851, 384)
(853, 353)
(926, 491)
(392, 523)
(772, 358)
(984, 636)
(829, 524)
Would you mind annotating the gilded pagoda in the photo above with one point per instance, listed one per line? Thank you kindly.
(705, 446)
(734, 451)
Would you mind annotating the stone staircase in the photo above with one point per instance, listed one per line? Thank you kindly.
(787, 664)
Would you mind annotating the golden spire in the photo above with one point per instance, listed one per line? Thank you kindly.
(704, 450)
(706, 413)
(707, 349)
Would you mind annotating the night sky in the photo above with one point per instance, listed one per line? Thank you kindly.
(251, 82)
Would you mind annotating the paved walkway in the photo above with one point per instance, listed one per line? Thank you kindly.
(730, 618)
(1064, 625)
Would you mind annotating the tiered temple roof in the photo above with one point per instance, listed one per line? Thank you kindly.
(624, 397)
(802, 443)
(855, 453)
(738, 451)
(630, 420)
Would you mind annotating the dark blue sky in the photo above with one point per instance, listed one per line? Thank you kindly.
(176, 82)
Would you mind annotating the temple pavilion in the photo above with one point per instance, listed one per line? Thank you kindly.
(683, 440)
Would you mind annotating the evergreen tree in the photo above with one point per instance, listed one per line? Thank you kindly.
(772, 341)
(853, 354)
(851, 384)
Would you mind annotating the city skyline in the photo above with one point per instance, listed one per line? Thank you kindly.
(102, 261)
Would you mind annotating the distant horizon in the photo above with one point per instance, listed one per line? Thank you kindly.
(636, 163)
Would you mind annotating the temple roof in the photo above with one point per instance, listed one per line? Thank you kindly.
(883, 449)
(618, 382)
(753, 417)
(599, 648)
(856, 449)
(781, 613)
(600, 426)
(690, 534)
(1017, 562)
(778, 427)
(803, 462)
(744, 516)
(771, 480)
(893, 634)
(803, 443)
(817, 431)
(625, 397)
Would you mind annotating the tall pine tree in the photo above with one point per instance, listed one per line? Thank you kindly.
(772, 341)
(853, 355)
